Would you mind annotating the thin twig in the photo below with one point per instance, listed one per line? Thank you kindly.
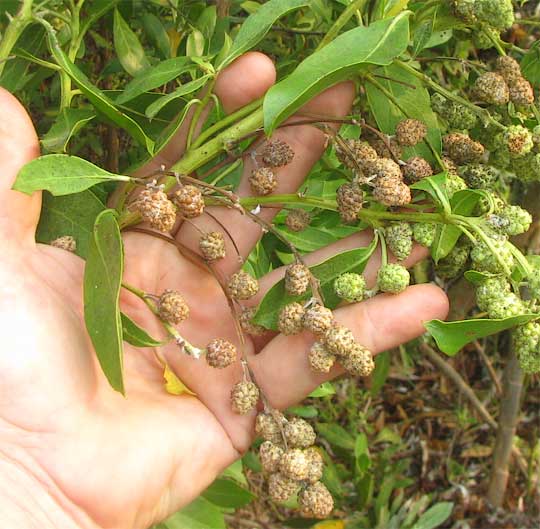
(489, 367)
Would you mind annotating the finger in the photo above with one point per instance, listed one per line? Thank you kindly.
(382, 322)
(19, 213)
(244, 81)
(308, 143)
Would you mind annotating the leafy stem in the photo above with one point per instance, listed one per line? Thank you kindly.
(347, 14)
(149, 301)
(13, 31)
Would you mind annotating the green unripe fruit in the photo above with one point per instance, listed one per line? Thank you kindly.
(453, 263)
(399, 239)
(424, 233)
(527, 167)
(483, 38)
(500, 158)
(518, 140)
(526, 340)
(486, 260)
(478, 176)
(350, 287)
(393, 278)
(505, 306)
(512, 220)
(496, 13)
(534, 283)
(490, 290)
(453, 184)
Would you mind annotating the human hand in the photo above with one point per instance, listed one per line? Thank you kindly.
(81, 452)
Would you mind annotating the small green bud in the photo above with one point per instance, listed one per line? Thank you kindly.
(424, 233)
(527, 167)
(490, 290)
(496, 13)
(399, 239)
(350, 287)
(393, 278)
(453, 184)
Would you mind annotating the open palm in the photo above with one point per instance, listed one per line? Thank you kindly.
(104, 460)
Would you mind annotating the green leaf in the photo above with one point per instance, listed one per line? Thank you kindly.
(67, 124)
(434, 516)
(69, 215)
(199, 514)
(258, 25)
(100, 101)
(135, 335)
(530, 64)
(434, 186)
(378, 43)
(62, 175)
(422, 34)
(102, 282)
(412, 100)
(475, 277)
(128, 48)
(349, 261)
(227, 493)
(336, 435)
(451, 336)
(155, 76)
(157, 34)
(462, 203)
(195, 44)
(181, 91)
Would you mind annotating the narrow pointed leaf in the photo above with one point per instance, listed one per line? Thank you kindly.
(61, 174)
(102, 283)
(155, 76)
(451, 336)
(100, 101)
(258, 25)
(136, 335)
(380, 43)
(128, 47)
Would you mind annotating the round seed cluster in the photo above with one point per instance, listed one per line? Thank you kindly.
(462, 149)
(212, 246)
(318, 319)
(320, 358)
(277, 153)
(172, 307)
(155, 208)
(491, 88)
(350, 199)
(297, 220)
(220, 353)
(290, 319)
(350, 287)
(399, 237)
(263, 181)
(243, 286)
(244, 397)
(415, 169)
(297, 278)
(189, 201)
(409, 132)
(393, 278)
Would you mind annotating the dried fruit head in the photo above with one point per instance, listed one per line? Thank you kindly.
(172, 307)
(270, 455)
(299, 433)
(263, 181)
(244, 397)
(155, 208)
(491, 88)
(212, 246)
(242, 286)
(66, 242)
(294, 464)
(409, 132)
(339, 340)
(416, 168)
(297, 279)
(281, 488)
(318, 319)
(220, 353)
(297, 220)
(290, 319)
(247, 324)
(321, 360)
(189, 201)
(350, 199)
(277, 153)
(315, 501)
(267, 427)
(358, 362)
(391, 192)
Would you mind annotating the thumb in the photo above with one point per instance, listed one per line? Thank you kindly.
(19, 213)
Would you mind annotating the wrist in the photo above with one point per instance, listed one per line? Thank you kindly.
(30, 500)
